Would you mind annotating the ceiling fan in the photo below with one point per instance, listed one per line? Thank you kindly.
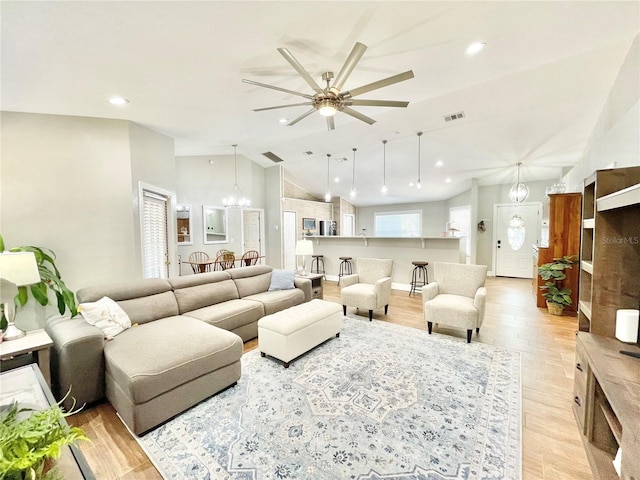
(331, 99)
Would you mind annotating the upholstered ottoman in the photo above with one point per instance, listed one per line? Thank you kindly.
(289, 333)
(157, 370)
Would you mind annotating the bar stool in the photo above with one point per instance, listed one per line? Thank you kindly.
(419, 278)
(345, 267)
(317, 260)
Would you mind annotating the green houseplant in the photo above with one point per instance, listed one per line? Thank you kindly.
(51, 280)
(553, 273)
(31, 439)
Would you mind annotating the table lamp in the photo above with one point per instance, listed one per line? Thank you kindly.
(304, 247)
(17, 269)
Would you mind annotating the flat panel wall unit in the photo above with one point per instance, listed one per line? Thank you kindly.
(610, 248)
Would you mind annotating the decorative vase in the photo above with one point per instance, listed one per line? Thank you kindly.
(554, 308)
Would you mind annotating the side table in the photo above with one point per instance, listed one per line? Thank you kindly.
(26, 386)
(37, 342)
(317, 283)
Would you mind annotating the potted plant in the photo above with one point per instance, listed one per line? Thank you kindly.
(51, 280)
(553, 273)
(31, 440)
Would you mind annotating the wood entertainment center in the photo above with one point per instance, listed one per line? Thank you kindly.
(606, 381)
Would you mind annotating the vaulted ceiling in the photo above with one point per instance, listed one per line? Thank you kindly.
(533, 95)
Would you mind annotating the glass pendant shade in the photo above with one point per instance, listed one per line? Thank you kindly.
(519, 192)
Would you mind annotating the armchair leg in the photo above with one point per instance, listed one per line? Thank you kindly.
(386, 308)
(344, 310)
(429, 327)
(477, 329)
(469, 332)
(370, 315)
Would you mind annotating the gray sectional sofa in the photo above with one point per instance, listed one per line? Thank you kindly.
(185, 344)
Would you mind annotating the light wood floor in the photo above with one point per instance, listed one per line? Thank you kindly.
(551, 446)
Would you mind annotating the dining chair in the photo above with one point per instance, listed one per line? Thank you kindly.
(197, 259)
(225, 261)
(250, 257)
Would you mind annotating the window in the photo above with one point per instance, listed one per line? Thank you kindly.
(398, 224)
(461, 216)
(516, 232)
(155, 238)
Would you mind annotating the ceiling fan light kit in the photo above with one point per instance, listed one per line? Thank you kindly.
(331, 99)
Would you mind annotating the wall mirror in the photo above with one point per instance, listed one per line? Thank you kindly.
(184, 227)
(215, 224)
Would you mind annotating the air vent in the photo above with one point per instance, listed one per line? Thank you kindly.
(341, 159)
(454, 116)
(273, 157)
(308, 152)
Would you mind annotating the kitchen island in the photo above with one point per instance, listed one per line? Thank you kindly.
(402, 250)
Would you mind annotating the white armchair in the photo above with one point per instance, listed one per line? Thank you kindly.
(370, 288)
(456, 297)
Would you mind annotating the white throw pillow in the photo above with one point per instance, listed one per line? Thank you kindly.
(107, 315)
(282, 280)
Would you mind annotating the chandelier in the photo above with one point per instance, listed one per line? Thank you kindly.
(236, 200)
(519, 191)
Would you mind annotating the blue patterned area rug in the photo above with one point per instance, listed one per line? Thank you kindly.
(382, 401)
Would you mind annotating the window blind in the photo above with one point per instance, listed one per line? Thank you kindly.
(154, 235)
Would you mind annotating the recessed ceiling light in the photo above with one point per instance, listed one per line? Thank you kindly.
(284, 120)
(475, 48)
(337, 179)
(448, 180)
(411, 184)
(439, 163)
(118, 101)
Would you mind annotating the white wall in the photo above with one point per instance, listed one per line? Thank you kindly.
(274, 191)
(615, 140)
(67, 185)
(199, 183)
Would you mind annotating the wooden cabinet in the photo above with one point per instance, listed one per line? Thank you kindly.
(610, 249)
(560, 236)
(606, 382)
(607, 404)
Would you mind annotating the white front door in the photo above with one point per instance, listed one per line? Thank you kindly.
(289, 240)
(515, 233)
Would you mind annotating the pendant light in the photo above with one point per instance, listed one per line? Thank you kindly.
(327, 195)
(519, 191)
(352, 194)
(418, 183)
(384, 168)
(236, 200)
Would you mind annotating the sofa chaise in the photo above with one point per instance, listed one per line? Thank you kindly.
(184, 346)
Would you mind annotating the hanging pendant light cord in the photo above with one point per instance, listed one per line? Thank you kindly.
(384, 162)
(419, 135)
(353, 175)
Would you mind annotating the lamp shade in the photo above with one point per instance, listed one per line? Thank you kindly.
(20, 268)
(304, 247)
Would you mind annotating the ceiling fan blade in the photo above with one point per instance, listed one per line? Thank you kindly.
(376, 103)
(401, 77)
(300, 69)
(258, 84)
(304, 115)
(358, 115)
(349, 64)
(281, 106)
(331, 124)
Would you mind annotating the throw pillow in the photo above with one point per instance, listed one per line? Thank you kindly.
(107, 315)
(281, 280)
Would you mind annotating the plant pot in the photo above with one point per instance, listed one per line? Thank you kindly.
(554, 308)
